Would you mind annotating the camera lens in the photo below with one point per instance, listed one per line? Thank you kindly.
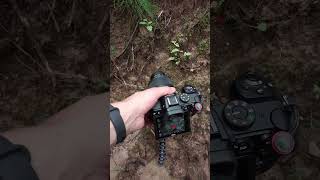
(159, 79)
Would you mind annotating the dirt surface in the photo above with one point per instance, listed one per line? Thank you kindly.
(52, 54)
(287, 52)
(187, 154)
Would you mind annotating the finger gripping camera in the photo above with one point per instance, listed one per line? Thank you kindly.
(252, 130)
(171, 114)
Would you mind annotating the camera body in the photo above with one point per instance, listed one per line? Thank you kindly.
(171, 114)
(252, 130)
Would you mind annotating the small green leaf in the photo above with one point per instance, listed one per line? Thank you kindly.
(316, 91)
(175, 43)
(187, 54)
(149, 28)
(171, 58)
(175, 50)
(142, 23)
(177, 62)
(220, 3)
(262, 27)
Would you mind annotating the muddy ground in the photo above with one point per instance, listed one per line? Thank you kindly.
(132, 66)
(52, 54)
(287, 52)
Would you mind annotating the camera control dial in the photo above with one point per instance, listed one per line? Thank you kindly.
(239, 114)
(184, 97)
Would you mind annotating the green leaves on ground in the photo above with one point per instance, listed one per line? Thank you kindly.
(316, 91)
(139, 8)
(175, 50)
(175, 43)
(187, 55)
(262, 27)
(176, 54)
(147, 24)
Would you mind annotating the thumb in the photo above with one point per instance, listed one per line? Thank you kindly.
(153, 94)
(157, 92)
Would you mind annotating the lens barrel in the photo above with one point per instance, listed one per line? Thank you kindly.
(159, 79)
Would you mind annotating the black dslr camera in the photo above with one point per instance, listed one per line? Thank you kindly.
(171, 114)
(251, 131)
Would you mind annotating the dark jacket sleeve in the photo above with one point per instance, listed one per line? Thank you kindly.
(15, 162)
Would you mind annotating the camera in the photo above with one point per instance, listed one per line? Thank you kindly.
(252, 131)
(171, 114)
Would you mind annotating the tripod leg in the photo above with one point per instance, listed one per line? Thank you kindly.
(162, 151)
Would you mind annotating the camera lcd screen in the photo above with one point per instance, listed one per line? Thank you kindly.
(175, 124)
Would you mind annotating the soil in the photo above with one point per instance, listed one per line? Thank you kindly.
(187, 154)
(287, 52)
(52, 54)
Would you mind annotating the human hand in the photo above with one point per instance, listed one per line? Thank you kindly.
(134, 108)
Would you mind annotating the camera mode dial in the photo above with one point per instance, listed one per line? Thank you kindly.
(239, 114)
(184, 97)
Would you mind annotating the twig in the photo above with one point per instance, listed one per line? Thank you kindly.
(100, 28)
(20, 48)
(167, 23)
(132, 52)
(72, 13)
(27, 54)
(23, 64)
(51, 10)
(129, 41)
(122, 79)
(4, 76)
(138, 134)
(56, 25)
(144, 65)
(71, 76)
(200, 18)
(46, 63)
(121, 168)
(26, 23)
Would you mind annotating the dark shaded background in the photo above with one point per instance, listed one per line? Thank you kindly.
(287, 52)
(52, 54)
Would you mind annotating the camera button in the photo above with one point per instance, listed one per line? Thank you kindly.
(243, 146)
(198, 107)
(260, 91)
(283, 143)
(172, 100)
(184, 97)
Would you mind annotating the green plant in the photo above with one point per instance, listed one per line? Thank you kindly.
(176, 54)
(187, 55)
(147, 24)
(204, 21)
(316, 91)
(262, 26)
(139, 8)
(220, 3)
(203, 47)
(112, 51)
(101, 85)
